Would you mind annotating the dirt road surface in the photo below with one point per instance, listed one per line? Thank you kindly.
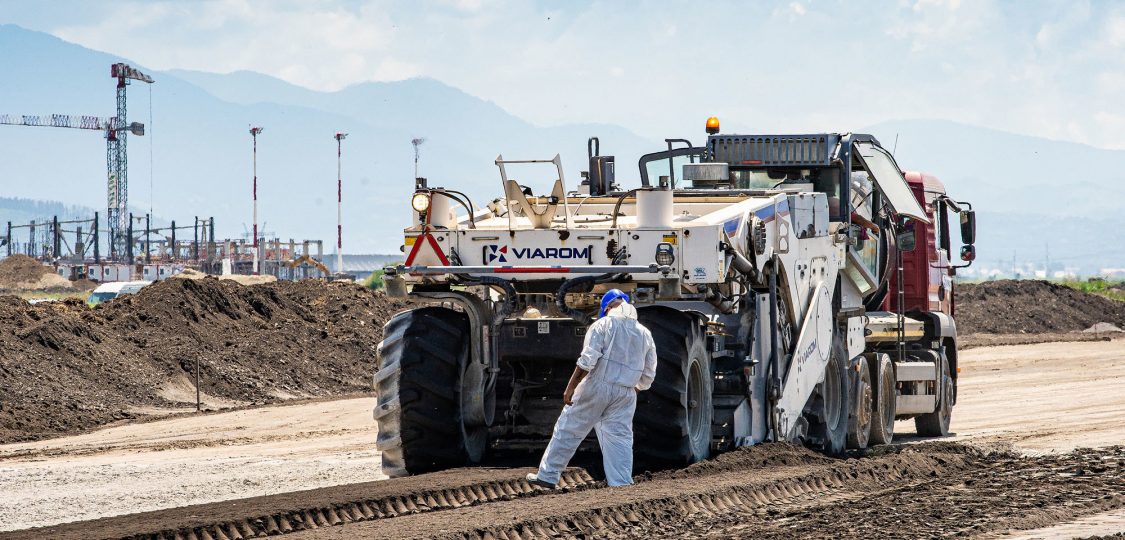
(188, 460)
(1046, 397)
(1042, 399)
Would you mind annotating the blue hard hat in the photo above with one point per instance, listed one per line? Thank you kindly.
(610, 296)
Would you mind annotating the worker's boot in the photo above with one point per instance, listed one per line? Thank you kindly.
(534, 480)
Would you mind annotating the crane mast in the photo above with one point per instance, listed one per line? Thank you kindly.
(117, 162)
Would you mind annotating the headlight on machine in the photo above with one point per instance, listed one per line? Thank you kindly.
(664, 254)
(420, 202)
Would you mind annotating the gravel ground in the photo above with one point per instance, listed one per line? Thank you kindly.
(1040, 399)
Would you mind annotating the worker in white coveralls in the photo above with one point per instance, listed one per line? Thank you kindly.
(618, 360)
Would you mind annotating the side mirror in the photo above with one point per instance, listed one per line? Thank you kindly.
(968, 228)
(905, 239)
(968, 253)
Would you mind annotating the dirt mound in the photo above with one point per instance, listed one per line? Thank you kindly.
(750, 458)
(67, 367)
(1031, 307)
(237, 278)
(84, 284)
(20, 272)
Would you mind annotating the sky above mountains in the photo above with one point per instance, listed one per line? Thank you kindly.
(1053, 69)
(1036, 196)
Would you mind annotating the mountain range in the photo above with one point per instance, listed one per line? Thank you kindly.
(1033, 195)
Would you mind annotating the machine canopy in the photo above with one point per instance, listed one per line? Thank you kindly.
(890, 180)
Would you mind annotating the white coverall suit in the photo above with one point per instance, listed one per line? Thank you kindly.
(620, 358)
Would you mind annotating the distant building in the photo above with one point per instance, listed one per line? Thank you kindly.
(1112, 273)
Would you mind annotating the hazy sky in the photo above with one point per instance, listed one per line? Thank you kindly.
(1053, 69)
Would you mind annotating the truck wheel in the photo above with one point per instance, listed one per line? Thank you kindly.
(418, 388)
(672, 425)
(936, 424)
(828, 410)
(859, 424)
(883, 404)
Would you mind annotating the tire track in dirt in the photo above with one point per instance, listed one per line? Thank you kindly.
(916, 491)
(770, 491)
(326, 507)
(994, 496)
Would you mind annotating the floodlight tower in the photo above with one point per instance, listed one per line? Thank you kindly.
(254, 131)
(339, 207)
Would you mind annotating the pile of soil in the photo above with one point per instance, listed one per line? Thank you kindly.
(66, 367)
(1031, 307)
(21, 273)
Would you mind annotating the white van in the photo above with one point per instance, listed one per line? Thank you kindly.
(109, 291)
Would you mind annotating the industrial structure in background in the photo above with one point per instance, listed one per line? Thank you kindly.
(137, 249)
(156, 252)
(116, 130)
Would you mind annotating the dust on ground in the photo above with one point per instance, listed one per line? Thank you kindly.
(67, 367)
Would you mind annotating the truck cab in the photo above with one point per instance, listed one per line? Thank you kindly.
(929, 267)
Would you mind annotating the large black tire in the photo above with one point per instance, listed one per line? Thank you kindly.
(883, 404)
(672, 425)
(859, 424)
(418, 391)
(828, 411)
(936, 424)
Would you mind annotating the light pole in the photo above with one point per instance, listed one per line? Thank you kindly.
(339, 207)
(416, 142)
(254, 131)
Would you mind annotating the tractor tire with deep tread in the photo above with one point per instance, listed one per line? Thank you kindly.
(830, 406)
(672, 425)
(883, 402)
(418, 391)
(936, 424)
(859, 424)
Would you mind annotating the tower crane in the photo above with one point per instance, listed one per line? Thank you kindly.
(117, 161)
(116, 129)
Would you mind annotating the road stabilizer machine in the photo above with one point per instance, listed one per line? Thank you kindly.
(798, 288)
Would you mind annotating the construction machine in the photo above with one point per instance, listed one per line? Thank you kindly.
(797, 286)
(309, 261)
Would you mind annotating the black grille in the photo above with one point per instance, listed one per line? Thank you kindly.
(776, 150)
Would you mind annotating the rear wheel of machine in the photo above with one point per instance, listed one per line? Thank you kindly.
(828, 411)
(672, 425)
(936, 424)
(883, 404)
(859, 424)
(418, 388)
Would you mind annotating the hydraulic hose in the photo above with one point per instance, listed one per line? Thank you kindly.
(453, 195)
(560, 295)
(621, 199)
(775, 345)
(510, 296)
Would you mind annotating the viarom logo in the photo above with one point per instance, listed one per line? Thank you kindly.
(494, 253)
(501, 254)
